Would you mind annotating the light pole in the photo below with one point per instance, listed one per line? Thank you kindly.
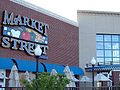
(38, 53)
(93, 62)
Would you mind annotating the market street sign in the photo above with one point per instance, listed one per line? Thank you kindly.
(22, 33)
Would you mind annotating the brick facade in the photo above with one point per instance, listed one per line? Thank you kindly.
(116, 78)
(63, 37)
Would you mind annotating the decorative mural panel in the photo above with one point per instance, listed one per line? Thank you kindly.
(24, 33)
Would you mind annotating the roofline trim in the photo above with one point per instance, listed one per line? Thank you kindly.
(46, 12)
(98, 12)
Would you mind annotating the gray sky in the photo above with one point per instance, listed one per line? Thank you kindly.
(68, 8)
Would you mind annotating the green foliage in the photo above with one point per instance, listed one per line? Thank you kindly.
(119, 86)
(47, 82)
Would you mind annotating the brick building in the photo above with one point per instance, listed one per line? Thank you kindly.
(24, 27)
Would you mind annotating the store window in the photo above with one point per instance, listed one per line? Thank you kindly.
(108, 49)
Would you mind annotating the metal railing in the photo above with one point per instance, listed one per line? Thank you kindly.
(70, 88)
(12, 88)
(100, 88)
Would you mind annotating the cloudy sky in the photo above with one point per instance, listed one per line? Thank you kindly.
(68, 8)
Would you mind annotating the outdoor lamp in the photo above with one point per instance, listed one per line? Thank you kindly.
(37, 53)
(93, 62)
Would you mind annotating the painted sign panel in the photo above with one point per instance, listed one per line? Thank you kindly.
(25, 34)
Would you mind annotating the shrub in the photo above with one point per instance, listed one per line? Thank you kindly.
(47, 82)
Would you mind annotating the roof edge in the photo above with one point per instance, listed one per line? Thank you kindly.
(98, 12)
(46, 12)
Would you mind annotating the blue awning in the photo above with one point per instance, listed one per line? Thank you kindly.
(103, 68)
(26, 65)
(6, 63)
(76, 70)
(58, 68)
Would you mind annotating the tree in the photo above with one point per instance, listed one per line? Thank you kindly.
(47, 82)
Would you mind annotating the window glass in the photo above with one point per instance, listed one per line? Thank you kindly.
(116, 53)
(108, 53)
(100, 53)
(99, 45)
(99, 37)
(115, 45)
(116, 60)
(115, 38)
(108, 49)
(108, 61)
(107, 37)
(107, 45)
(100, 61)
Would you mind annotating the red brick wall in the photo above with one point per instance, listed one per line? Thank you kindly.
(63, 37)
(116, 77)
